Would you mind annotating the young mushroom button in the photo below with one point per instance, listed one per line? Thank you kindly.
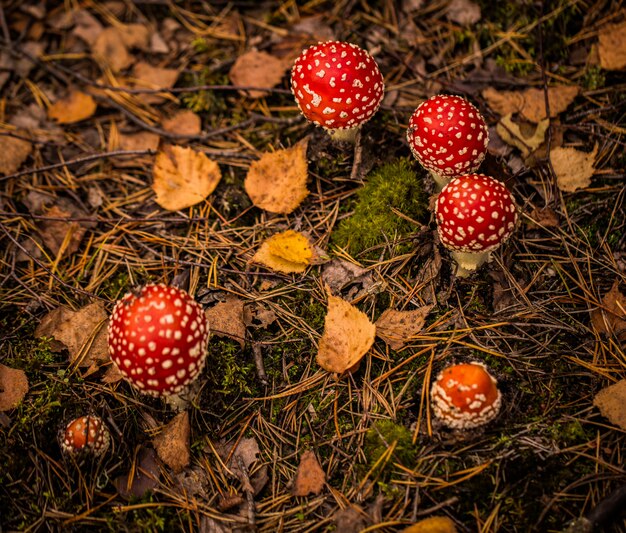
(85, 435)
(465, 396)
(475, 214)
(337, 86)
(448, 136)
(158, 339)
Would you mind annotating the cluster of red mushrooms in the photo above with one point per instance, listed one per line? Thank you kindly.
(158, 336)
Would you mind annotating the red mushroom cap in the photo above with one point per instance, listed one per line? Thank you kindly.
(337, 85)
(448, 135)
(85, 434)
(475, 213)
(158, 339)
(465, 396)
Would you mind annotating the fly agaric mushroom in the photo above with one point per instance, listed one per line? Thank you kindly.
(85, 435)
(448, 136)
(465, 396)
(158, 339)
(337, 86)
(475, 214)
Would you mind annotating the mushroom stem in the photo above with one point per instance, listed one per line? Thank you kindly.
(440, 181)
(468, 262)
(344, 134)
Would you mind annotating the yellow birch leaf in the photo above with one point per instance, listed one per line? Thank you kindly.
(286, 252)
(572, 167)
(184, 178)
(348, 336)
(434, 524)
(277, 181)
(75, 107)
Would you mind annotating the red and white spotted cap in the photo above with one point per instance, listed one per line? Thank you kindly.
(448, 136)
(475, 213)
(158, 339)
(465, 396)
(337, 85)
(85, 435)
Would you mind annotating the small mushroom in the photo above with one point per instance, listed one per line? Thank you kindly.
(337, 86)
(465, 396)
(85, 435)
(475, 215)
(448, 136)
(158, 339)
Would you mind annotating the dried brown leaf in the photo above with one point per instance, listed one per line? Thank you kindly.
(61, 237)
(310, 477)
(13, 387)
(135, 36)
(612, 403)
(172, 443)
(573, 168)
(82, 332)
(14, 152)
(612, 46)
(142, 140)
(398, 328)
(226, 319)
(463, 12)
(523, 136)
(348, 335)
(531, 102)
(109, 48)
(610, 318)
(76, 106)
(339, 273)
(145, 76)
(257, 69)
(141, 479)
(183, 122)
(277, 181)
(184, 179)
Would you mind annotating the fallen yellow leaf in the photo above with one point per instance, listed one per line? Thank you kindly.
(286, 252)
(522, 136)
(277, 181)
(573, 168)
(531, 103)
(348, 336)
(75, 107)
(434, 524)
(611, 401)
(184, 178)
(257, 69)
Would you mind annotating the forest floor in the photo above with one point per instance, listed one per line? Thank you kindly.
(91, 91)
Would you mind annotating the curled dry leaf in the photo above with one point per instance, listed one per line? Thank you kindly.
(612, 401)
(257, 69)
(610, 318)
(348, 335)
(14, 152)
(184, 178)
(82, 332)
(612, 46)
(434, 524)
(573, 168)
(172, 443)
(398, 328)
(13, 387)
(226, 319)
(286, 252)
(531, 102)
(76, 106)
(277, 181)
(526, 137)
(310, 477)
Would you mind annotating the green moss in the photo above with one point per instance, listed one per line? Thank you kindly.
(393, 187)
(382, 435)
(229, 369)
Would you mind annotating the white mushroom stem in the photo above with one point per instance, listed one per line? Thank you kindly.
(468, 262)
(344, 134)
(440, 181)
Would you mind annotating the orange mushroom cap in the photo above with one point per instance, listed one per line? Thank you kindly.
(465, 396)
